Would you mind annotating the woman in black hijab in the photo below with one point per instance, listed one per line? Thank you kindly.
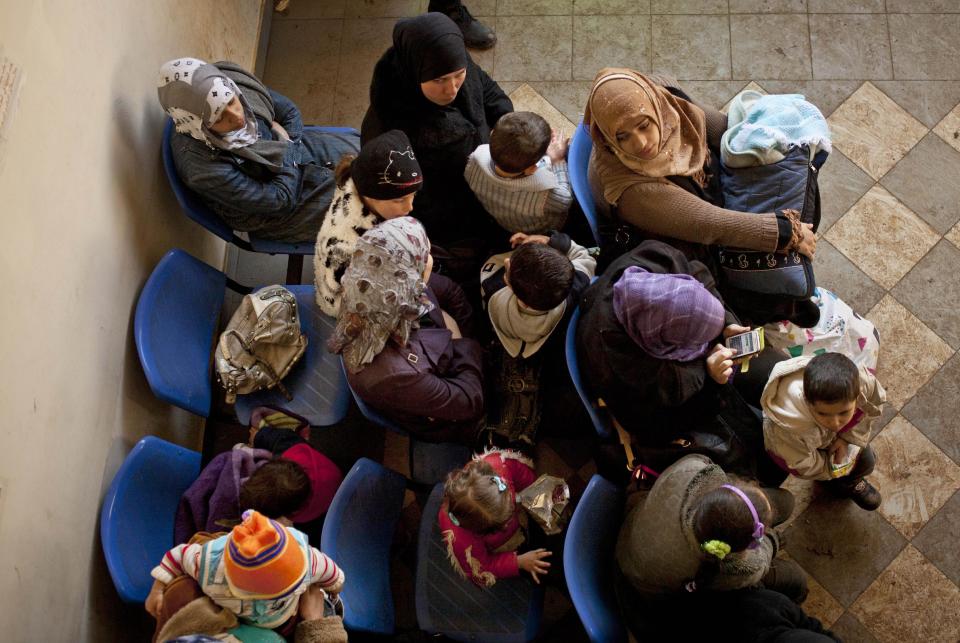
(427, 85)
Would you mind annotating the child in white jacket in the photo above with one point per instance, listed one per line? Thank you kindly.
(818, 415)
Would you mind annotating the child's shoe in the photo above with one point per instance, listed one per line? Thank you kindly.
(865, 495)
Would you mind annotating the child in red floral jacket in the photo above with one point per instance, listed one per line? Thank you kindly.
(481, 521)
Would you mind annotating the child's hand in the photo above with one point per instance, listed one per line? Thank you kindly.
(838, 451)
(311, 603)
(533, 562)
(520, 238)
(154, 602)
(720, 363)
(557, 150)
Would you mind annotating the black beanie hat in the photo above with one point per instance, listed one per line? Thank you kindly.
(386, 167)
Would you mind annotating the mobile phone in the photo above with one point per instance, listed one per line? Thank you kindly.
(746, 344)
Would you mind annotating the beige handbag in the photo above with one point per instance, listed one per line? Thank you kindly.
(260, 344)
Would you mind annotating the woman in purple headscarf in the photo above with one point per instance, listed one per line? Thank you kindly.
(650, 343)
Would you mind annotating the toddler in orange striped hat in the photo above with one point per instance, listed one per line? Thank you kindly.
(258, 571)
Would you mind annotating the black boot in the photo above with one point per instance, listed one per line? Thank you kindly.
(475, 34)
(865, 495)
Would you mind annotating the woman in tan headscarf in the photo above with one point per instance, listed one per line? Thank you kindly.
(651, 167)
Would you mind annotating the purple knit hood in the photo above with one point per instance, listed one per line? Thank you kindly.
(669, 316)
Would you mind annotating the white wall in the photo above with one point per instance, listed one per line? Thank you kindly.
(86, 213)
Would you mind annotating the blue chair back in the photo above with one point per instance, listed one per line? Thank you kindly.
(578, 161)
(601, 423)
(448, 604)
(588, 560)
(191, 204)
(174, 327)
(136, 521)
(357, 534)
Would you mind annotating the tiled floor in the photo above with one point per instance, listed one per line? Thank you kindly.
(885, 72)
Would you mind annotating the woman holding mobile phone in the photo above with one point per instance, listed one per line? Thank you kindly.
(651, 345)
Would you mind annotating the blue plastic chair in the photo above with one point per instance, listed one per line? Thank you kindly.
(578, 161)
(430, 462)
(448, 604)
(194, 207)
(136, 521)
(601, 422)
(588, 560)
(175, 327)
(357, 534)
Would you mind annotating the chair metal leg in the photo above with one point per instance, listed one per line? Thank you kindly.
(294, 268)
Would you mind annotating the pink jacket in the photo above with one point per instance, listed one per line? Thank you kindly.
(476, 556)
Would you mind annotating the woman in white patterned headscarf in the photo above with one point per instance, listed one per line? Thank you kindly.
(244, 150)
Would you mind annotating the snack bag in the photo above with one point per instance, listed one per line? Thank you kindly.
(547, 500)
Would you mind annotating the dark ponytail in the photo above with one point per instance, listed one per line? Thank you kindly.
(723, 525)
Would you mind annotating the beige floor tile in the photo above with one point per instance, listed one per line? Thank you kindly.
(949, 128)
(768, 6)
(692, 46)
(910, 352)
(911, 601)
(533, 48)
(364, 41)
(752, 85)
(534, 7)
(821, 604)
(485, 58)
(570, 97)
(598, 42)
(804, 492)
(873, 131)
(882, 237)
(693, 7)
(381, 8)
(314, 9)
(610, 7)
(299, 65)
(914, 476)
(526, 99)
(954, 235)
(350, 102)
(756, 55)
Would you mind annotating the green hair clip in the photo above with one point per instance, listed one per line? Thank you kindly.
(716, 548)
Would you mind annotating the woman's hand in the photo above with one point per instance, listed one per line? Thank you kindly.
(451, 324)
(807, 246)
(519, 238)
(720, 363)
(154, 602)
(734, 329)
(279, 130)
(533, 562)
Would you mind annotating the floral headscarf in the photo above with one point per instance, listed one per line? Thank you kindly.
(619, 95)
(383, 291)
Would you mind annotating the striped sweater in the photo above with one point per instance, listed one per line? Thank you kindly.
(532, 204)
(204, 563)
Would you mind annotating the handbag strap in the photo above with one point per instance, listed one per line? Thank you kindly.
(637, 471)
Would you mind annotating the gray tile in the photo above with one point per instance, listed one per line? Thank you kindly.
(598, 42)
(850, 46)
(758, 55)
(364, 42)
(569, 97)
(485, 57)
(837, 273)
(301, 64)
(534, 7)
(692, 7)
(842, 184)
(923, 6)
(846, 6)
(927, 180)
(935, 409)
(351, 99)
(827, 95)
(533, 48)
(931, 291)
(712, 93)
(842, 546)
(324, 9)
(696, 47)
(925, 46)
(938, 539)
(483, 7)
(928, 101)
(610, 7)
(768, 6)
(851, 630)
(381, 8)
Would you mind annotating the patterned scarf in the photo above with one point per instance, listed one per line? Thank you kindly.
(383, 291)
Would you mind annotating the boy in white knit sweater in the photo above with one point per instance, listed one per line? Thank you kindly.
(521, 176)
